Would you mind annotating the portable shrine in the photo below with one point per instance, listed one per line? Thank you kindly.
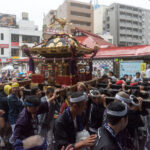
(61, 59)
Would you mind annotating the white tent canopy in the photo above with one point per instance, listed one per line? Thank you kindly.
(8, 67)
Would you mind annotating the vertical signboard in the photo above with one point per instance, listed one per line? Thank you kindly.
(143, 67)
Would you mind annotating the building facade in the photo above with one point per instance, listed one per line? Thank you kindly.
(78, 14)
(99, 16)
(107, 37)
(128, 25)
(12, 38)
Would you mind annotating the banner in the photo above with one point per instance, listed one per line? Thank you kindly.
(130, 68)
(7, 20)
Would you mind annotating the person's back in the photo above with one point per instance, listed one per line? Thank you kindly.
(106, 141)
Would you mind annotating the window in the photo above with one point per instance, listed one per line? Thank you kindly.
(30, 39)
(81, 5)
(14, 38)
(81, 23)
(75, 13)
(14, 52)
(2, 51)
(2, 36)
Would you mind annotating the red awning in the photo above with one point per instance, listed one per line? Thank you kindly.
(114, 52)
(92, 40)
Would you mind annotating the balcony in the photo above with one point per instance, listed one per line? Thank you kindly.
(136, 19)
(129, 39)
(129, 32)
(123, 24)
(122, 39)
(137, 33)
(136, 40)
(129, 25)
(136, 26)
(125, 17)
(122, 31)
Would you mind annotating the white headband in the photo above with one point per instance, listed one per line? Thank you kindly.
(135, 104)
(79, 99)
(118, 113)
(127, 100)
(92, 95)
(118, 97)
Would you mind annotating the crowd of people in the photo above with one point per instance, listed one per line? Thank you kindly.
(83, 119)
(8, 75)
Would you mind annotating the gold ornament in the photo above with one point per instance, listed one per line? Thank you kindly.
(56, 40)
(51, 45)
(59, 44)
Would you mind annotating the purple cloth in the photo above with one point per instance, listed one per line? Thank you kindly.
(31, 64)
(24, 128)
(31, 61)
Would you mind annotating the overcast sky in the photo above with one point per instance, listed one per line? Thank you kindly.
(37, 8)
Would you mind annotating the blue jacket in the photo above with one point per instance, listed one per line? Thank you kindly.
(24, 128)
(15, 106)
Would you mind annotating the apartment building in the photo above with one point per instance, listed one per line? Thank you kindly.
(128, 25)
(78, 14)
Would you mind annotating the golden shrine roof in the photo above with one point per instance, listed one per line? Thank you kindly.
(60, 45)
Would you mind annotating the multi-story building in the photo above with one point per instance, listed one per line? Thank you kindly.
(128, 25)
(78, 14)
(13, 37)
(146, 26)
(99, 16)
